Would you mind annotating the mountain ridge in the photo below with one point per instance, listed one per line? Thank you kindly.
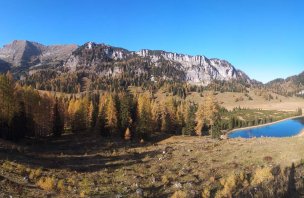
(30, 57)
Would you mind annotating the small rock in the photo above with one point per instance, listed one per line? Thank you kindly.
(26, 179)
(177, 185)
(164, 152)
(153, 180)
(194, 193)
(140, 192)
(118, 196)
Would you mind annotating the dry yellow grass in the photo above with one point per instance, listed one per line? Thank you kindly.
(198, 162)
(47, 183)
(262, 175)
(179, 194)
(228, 100)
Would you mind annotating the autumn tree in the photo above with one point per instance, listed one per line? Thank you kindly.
(144, 117)
(111, 116)
(207, 114)
(101, 118)
(156, 112)
(8, 103)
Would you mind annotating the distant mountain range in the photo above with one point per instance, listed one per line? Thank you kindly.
(35, 62)
(291, 85)
(25, 58)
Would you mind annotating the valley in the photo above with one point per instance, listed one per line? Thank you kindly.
(101, 121)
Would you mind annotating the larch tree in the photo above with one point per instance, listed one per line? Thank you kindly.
(8, 103)
(144, 117)
(156, 115)
(200, 119)
(111, 116)
(90, 116)
(207, 115)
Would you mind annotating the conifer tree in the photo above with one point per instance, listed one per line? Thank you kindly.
(190, 120)
(91, 115)
(144, 117)
(111, 116)
(58, 122)
(101, 118)
(125, 112)
(18, 125)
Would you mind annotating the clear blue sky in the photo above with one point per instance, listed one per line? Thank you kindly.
(264, 38)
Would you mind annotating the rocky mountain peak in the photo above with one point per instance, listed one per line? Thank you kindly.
(20, 52)
(23, 53)
(109, 60)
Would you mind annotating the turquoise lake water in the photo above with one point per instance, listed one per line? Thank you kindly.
(285, 128)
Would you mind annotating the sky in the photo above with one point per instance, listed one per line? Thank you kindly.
(263, 38)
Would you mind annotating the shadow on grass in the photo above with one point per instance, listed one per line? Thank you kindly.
(80, 152)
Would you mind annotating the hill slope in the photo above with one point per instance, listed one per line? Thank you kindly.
(26, 58)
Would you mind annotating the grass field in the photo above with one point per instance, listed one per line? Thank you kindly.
(230, 100)
(87, 166)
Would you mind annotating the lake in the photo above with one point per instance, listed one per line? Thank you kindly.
(284, 128)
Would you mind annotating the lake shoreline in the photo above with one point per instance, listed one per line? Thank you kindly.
(301, 134)
(270, 123)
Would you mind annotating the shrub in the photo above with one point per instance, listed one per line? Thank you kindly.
(261, 175)
(21, 169)
(165, 179)
(47, 183)
(179, 194)
(206, 193)
(61, 185)
(35, 173)
(85, 186)
(231, 184)
(7, 165)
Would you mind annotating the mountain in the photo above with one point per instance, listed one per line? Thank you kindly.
(28, 59)
(289, 86)
(22, 53)
(192, 69)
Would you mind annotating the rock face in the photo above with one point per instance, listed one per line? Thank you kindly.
(108, 60)
(22, 53)
(198, 69)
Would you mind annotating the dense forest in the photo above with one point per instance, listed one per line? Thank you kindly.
(25, 111)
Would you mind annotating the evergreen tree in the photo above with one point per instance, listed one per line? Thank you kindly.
(101, 119)
(166, 121)
(58, 123)
(125, 112)
(91, 115)
(18, 125)
(190, 120)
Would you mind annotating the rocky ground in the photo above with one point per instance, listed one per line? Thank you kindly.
(89, 166)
